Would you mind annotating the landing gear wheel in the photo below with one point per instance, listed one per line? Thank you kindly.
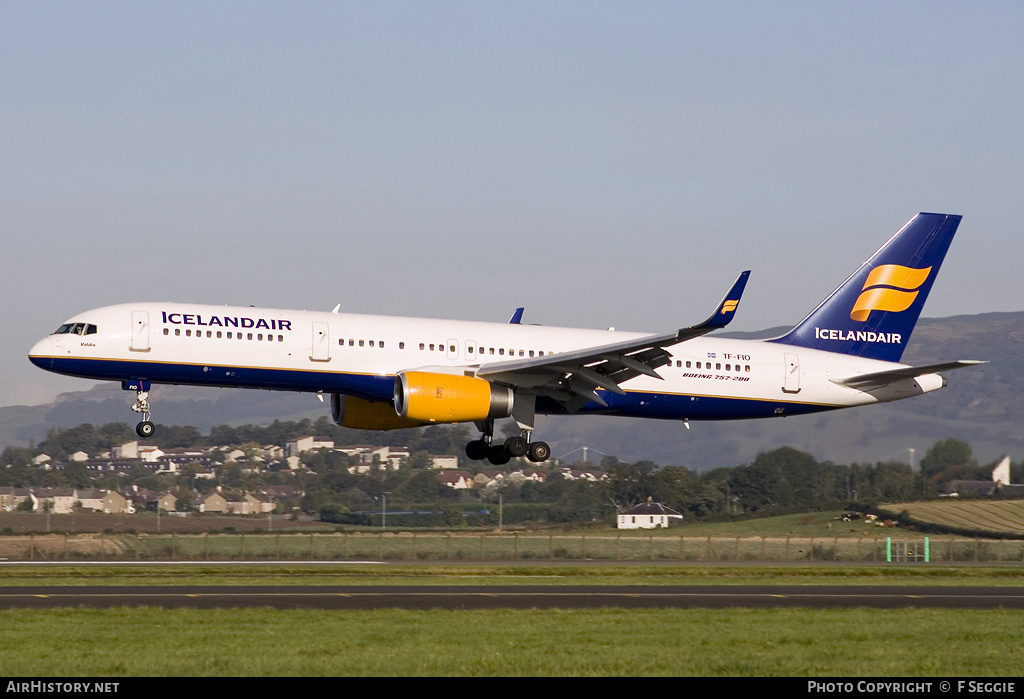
(498, 455)
(516, 447)
(145, 429)
(539, 451)
(477, 449)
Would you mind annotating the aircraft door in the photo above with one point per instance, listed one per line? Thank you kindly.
(321, 343)
(140, 331)
(791, 382)
(452, 348)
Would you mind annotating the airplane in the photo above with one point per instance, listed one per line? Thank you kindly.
(384, 372)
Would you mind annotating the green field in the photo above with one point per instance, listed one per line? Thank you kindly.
(610, 642)
(511, 574)
(147, 641)
(986, 515)
(791, 539)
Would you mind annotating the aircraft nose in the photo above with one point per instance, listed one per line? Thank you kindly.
(41, 353)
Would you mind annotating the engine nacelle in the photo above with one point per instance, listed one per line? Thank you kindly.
(430, 397)
(361, 414)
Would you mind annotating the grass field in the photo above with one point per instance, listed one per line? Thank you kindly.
(989, 515)
(610, 642)
(510, 574)
(147, 641)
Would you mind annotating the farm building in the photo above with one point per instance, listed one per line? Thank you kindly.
(649, 515)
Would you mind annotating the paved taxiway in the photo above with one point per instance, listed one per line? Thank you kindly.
(517, 597)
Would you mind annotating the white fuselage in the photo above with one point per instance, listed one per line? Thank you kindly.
(360, 355)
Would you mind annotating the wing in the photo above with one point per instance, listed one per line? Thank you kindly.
(880, 378)
(572, 378)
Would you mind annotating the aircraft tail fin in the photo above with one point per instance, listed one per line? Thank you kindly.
(873, 312)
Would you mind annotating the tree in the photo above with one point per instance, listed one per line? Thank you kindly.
(942, 455)
(630, 484)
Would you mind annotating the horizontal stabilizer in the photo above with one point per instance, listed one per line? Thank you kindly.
(880, 378)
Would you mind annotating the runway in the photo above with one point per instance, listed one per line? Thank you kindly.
(514, 597)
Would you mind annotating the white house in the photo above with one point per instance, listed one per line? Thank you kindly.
(457, 479)
(649, 515)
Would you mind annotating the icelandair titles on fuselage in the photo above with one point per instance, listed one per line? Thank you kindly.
(857, 336)
(225, 321)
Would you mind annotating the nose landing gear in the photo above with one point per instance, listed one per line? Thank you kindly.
(145, 428)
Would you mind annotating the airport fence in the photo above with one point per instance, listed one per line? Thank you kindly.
(476, 546)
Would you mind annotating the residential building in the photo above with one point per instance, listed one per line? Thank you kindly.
(649, 515)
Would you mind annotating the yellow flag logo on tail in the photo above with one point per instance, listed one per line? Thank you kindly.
(889, 288)
(730, 306)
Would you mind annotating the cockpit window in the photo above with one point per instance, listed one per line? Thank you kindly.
(76, 329)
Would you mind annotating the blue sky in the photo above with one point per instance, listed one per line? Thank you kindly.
(600, 163)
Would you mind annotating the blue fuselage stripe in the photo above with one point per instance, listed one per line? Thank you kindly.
(664, 406)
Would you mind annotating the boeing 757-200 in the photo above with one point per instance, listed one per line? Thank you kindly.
(384, 372)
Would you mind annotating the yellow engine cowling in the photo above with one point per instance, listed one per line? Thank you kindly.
(361, 414)
(430, 397)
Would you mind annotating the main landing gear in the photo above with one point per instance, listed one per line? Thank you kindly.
(513, 448)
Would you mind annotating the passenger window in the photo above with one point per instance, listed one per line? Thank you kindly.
(166, 331)
(401, 345)
(501, 351)
(360, 343)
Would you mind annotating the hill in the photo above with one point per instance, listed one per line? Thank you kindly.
(983, 406)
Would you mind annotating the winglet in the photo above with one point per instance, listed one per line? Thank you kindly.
(517, 317)
(727, 308)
